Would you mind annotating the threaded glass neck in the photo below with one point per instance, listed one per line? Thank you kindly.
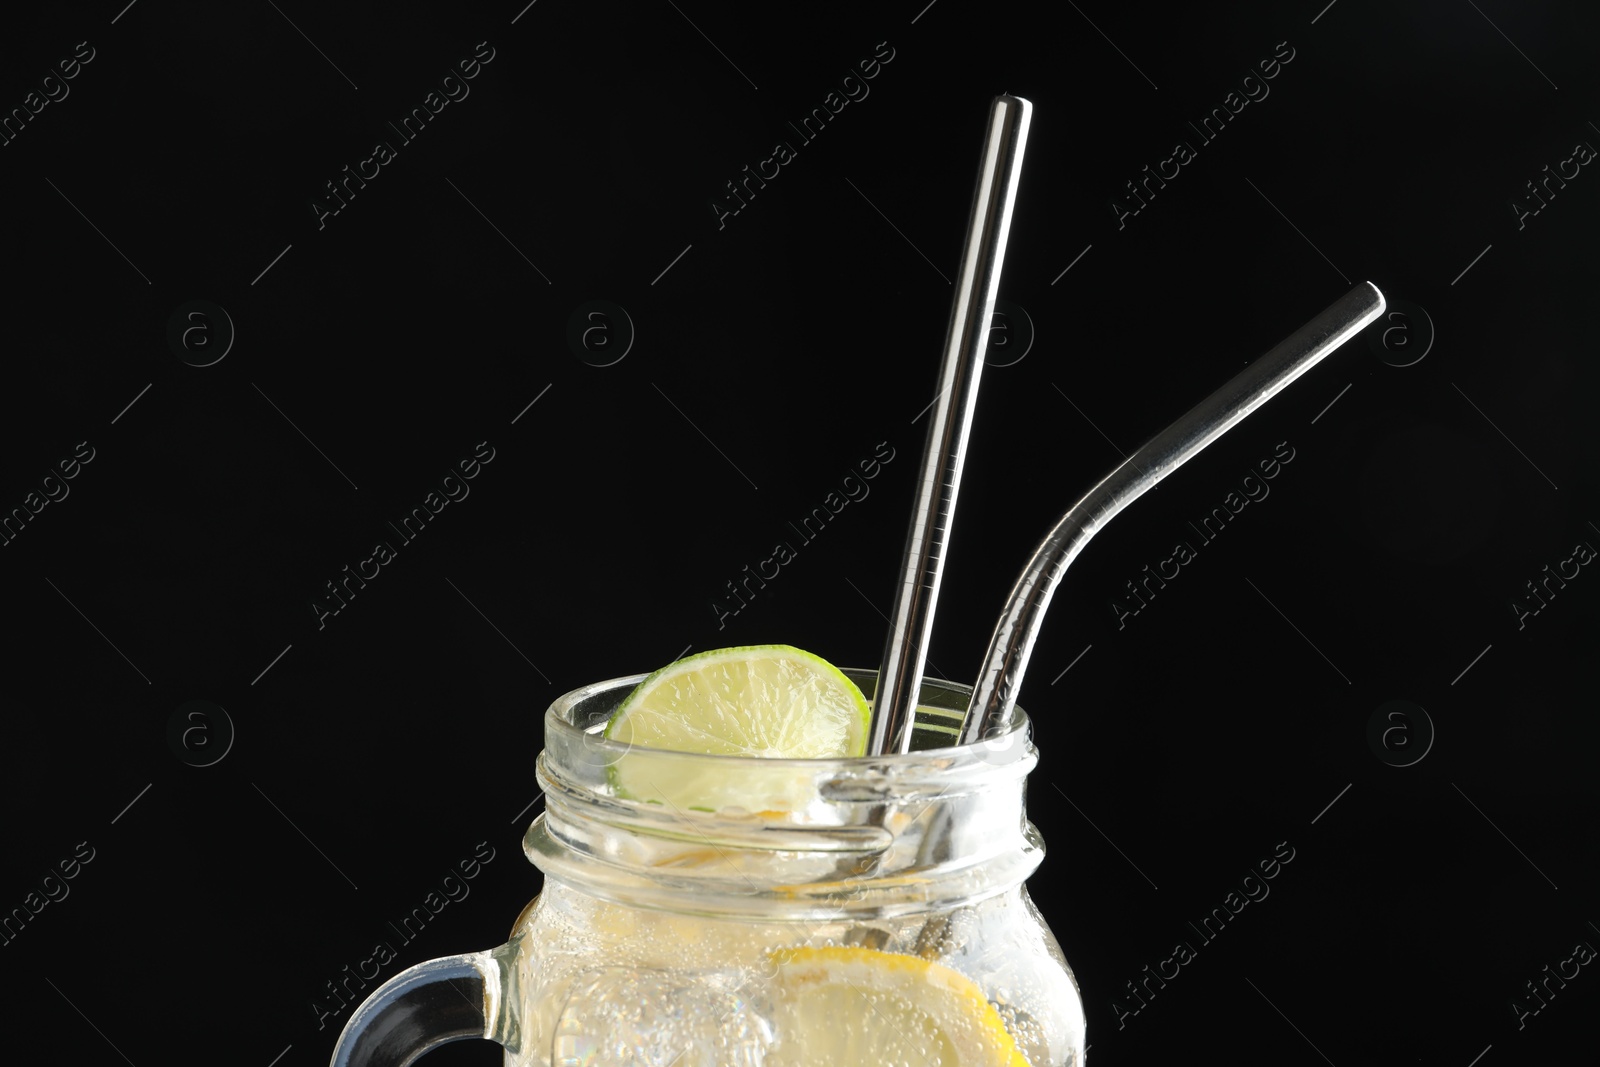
(870, 836)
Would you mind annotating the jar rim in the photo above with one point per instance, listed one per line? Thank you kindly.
(579, 716)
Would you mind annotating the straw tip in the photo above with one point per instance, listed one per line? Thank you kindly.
(1016, 110)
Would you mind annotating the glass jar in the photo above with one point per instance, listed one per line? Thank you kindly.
(694, 938)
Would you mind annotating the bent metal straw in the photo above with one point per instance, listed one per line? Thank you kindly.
(995, 692)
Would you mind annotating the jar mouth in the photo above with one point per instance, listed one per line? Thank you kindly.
(575, 721)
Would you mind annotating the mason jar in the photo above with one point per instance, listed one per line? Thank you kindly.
(826, 911)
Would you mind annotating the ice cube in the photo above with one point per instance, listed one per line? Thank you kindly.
(640, 1017)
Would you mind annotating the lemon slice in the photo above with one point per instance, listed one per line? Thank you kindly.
(862, 1006)
(770, 701)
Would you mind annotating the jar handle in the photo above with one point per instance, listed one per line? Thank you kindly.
(454, 998)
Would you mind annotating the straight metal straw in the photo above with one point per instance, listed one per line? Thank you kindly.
(995, 693)
(905, 650)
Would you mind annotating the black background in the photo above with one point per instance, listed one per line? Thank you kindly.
(771, 355)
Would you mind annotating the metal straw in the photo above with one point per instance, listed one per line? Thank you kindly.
(905, 650)
(1007, 658)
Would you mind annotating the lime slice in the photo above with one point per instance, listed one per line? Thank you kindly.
(771, 701)
(860, 1005)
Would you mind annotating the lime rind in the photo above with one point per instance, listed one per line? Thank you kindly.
(748, 654)
(765, 701)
